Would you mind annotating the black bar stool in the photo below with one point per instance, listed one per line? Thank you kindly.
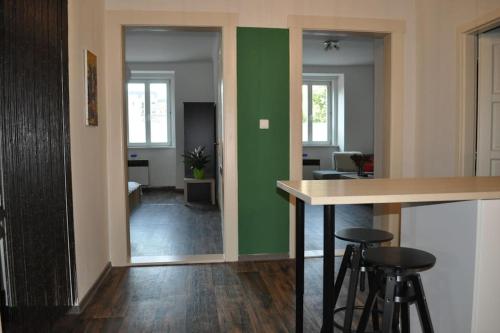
(353, 260)
(399, 287)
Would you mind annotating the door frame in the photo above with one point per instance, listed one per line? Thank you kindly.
(467, 37)
(118, 210)
(393, 33)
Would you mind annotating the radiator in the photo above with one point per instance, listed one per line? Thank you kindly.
(138, 171)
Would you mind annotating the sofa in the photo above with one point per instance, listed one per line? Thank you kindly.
(342, 164)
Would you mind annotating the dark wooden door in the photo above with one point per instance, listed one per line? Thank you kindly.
(35, 156)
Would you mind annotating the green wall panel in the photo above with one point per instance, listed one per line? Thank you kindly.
(263, 155)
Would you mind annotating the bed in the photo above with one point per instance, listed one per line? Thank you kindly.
(134, 195)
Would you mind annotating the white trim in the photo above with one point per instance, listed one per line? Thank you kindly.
(466, 88)
(176, 260)
(393, 33)
(308, 254)
(116, 134)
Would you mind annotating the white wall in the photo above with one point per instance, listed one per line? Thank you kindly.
(437, 100)
(162, 165)
(88, 145)
(258, 13)
(193, 83)
(358, 103)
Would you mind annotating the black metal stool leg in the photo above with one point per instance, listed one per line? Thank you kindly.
(405, 318)
(421, 301)
(372, 285)
(341, 275)
(362, 279)
(371, 300)
(390, 289)
(353, 286)
(395, 318)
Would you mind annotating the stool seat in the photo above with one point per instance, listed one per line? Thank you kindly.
(364, 235)
(401, 258)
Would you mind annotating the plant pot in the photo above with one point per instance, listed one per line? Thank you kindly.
(199, 173)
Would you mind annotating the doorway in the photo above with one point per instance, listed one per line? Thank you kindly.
(174, 125)
(389, 106)
(339, 82)
(488, 104)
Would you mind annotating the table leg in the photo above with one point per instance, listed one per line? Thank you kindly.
(299, 266)
(328, 267)
(212, 191)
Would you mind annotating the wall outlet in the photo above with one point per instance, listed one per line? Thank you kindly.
(264, 123)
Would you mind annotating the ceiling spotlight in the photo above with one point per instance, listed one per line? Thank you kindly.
(331, 44)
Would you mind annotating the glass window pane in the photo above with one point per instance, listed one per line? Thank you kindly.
(320, 113)
(305, 113)
(136, 113)
(158, 112)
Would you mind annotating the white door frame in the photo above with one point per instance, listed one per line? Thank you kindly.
(116, 122)
(393, 33)
(467, 36)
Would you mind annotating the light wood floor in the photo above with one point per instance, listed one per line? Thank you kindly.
(236, 297)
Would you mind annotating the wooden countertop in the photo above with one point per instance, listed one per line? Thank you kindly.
(364, 191)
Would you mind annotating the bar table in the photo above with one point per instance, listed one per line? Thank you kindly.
(329, 193)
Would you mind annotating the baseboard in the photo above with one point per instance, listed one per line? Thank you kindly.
(82, 305)
(263, 257)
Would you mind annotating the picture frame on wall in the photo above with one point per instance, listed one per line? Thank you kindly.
(91, 111)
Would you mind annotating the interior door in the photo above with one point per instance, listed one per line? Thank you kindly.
(37, 251)
(488, 122)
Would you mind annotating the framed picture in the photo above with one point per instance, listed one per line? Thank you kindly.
(91, 88)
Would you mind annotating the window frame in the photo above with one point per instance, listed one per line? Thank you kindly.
(170, 118)
(331, 81)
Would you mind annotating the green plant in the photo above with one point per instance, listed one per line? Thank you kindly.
(196, 159)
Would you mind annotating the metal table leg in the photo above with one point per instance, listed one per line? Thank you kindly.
(299, 266)
(328, 267)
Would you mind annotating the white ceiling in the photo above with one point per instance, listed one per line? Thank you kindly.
(168, 45)
(163, 45)
(353, 50)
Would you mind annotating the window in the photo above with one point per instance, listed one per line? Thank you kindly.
(319, 105)
(149, 113)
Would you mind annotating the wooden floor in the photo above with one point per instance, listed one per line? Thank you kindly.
(236, 297)
(164, 225)
(346, 216)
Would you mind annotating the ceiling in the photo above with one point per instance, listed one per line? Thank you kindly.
(157, 44)
(169, 45)
(353, 49)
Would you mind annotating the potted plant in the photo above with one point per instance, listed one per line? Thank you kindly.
(196, 161)
(360, 160)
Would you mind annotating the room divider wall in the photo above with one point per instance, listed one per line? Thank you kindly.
(38, 247)
(263, 154)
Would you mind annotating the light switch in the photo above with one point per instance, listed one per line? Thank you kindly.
(264, 123)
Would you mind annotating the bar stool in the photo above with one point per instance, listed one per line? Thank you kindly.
(400, 287)
(353, 260)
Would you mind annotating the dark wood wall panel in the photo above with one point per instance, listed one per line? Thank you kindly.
(35, 153)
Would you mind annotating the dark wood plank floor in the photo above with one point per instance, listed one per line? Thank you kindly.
(164, 225)
(346, 216)
(234, 297)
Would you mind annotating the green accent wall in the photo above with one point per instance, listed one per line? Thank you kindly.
(263, 154)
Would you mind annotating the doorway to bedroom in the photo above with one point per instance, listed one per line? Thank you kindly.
(173, 98)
